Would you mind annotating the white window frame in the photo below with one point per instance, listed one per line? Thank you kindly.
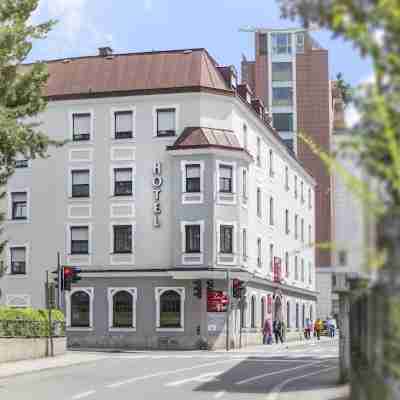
(183, 242)
(259, 152)
(8, 259)
(111, 292)
(259, 202)
(233, 194)
(68, 244)
(259, 252)
(71, 126)
(122, 165)
(119, 223)
(245, 246)
(9, 206)
(112, 122)
(245, 185)
(80, 168)
(158, 291)
(177, 114)
(90, 292)
(187, 197)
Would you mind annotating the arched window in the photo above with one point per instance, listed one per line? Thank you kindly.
(288, 314)
(80, 309)
(170, 309)
(122, 310)
(262, 312)
(253, 312)
(303, 316)
(297, 316)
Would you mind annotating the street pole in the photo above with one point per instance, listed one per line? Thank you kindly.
(59, 289)
(49, 306)
(228, 310)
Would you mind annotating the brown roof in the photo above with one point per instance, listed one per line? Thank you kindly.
(200, 137)
(134, 72)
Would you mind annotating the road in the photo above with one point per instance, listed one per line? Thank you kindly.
(306, 371)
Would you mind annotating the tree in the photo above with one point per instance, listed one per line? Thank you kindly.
(21, 86)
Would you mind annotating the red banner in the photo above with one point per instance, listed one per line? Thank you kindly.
(277, 269)
(217, 301)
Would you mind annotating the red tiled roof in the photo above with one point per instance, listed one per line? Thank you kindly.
(133, 72)
(200, 137)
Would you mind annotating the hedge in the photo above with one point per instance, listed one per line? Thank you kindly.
(29, 322)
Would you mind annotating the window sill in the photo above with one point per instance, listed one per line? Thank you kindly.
(16, 276)
(79, 329)
(80, 142)
(18, 221)
(133, 329)
(121, 253)
(170, 329)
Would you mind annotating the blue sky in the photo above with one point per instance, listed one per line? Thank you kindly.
(143, 25)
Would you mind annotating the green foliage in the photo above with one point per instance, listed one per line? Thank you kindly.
(345, 89)
(29, 322)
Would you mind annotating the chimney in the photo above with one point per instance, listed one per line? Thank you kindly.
(244, 92)
(105, 51)
(229, 74)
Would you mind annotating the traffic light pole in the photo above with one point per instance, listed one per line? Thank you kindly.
(59, 288)
(228, 310)
(49, 307)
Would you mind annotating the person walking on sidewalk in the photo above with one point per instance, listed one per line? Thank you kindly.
(331, 327)
(267, 332)
(277, 328)
(318, 328)
(308, 328)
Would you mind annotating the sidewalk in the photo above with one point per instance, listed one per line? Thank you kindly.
(27, 366)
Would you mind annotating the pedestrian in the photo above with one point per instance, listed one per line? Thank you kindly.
(318, 328)
(277, 328)
(331, 327)
(267, 332)
(307, 329)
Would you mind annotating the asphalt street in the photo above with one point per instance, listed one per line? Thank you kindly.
(307, 371)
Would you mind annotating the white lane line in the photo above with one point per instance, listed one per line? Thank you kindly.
(218, 395)
(158, 357)
(184, 356)
(258, 377)
(163, 373)
(210, 376)
(83, 394)
(275, 392)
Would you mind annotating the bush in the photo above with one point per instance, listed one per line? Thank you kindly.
(29, 322)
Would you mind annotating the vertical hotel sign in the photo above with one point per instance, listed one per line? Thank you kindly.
(157, 183)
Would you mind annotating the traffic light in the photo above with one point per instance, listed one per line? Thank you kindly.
(59, 279)
(242, 289)
(210, 284)
(197, 288)
(70, 275)
(238, 288)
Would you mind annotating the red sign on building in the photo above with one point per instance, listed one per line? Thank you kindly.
(217, 301)
(277, 269)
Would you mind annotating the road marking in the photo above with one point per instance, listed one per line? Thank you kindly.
(210, 376)
(218, 395)
(84, 394)
(255, 378)
(185, 356)
(163, 373)
(274, 393)
(157, 357)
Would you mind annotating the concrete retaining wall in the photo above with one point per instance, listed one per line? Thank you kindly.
(15, 349)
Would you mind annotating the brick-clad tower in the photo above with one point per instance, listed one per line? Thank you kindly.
(290, 74)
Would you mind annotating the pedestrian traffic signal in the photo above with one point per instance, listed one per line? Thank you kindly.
(70, 275)
(235, 288)
(210, 284)
(197, 288)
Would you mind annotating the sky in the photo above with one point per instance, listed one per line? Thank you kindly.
(145, 25)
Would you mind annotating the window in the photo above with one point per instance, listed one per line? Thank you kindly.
(19, 205)
(263, 43)
(123, 181)
(192, 239)
(271, 163)
(226, 239)
(192, 178)
(123, 124)
(244, 244)
(288, 315)
(282, 96)
(287, 230)
(271, 211)
(122, 310)
(245, 142)
(80, 309)
(18, 260)
(258, 152)
(309, 273)
(287, 266)
(259, 252)
(79, 240)
(297, 316)
(342, 258)
(300, 42)
(244, 184)
(166, 122)
(81, 127)
(309, 199)
(253, 312)
(303, 316)
(225, 179)
(309, 235)
(282, 72)
(296, 268)
(21, 164)
(271, 257)
(170, 309)
(122, 239)
(302, 230)
(302, 270)
(283, 122)
(295, 187)
(302, 191)
(296, 226)
(262, 312)
(259, 207)
(281, 43)
(287, 178)
(80, 183)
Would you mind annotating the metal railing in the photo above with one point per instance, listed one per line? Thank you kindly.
(30, 329)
